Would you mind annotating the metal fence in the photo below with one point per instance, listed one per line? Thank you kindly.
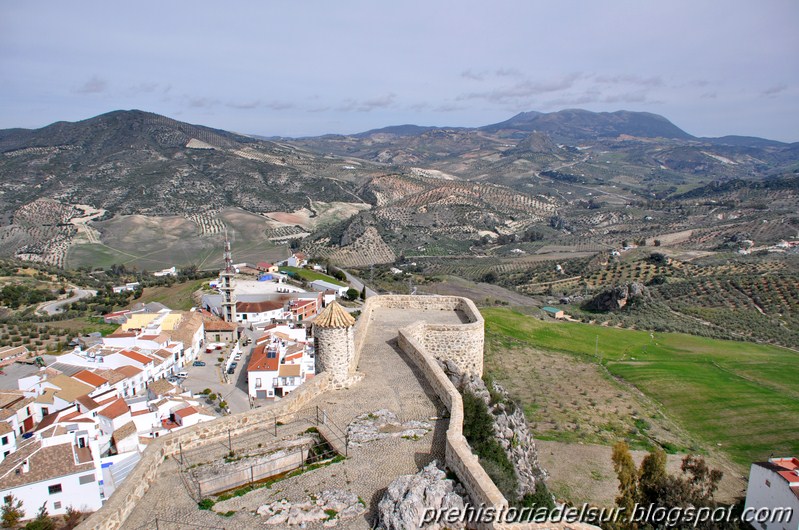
(333, 441)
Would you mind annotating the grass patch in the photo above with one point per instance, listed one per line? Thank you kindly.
(178, 296)
(742, 396)
(85, 325)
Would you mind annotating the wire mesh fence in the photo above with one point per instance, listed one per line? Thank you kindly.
(286, 444)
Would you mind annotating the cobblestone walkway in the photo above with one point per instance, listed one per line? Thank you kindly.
(391, 382)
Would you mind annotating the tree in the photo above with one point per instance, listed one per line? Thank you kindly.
(11, 512)
(652, 477)
(628, 477)
(352, 294)
(43, 520)
(363, 292)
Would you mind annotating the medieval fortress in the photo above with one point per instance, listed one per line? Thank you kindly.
(429, 329)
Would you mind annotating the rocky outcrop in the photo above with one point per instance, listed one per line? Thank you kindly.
(409, 496)
(617, 297)
(384, 424)
(330, 506)
(510, 427)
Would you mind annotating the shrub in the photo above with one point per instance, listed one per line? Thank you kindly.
(11, 512)
(206, 504)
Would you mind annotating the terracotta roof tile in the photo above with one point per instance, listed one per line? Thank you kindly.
(334, 316)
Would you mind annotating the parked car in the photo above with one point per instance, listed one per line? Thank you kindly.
(237, 357)
(198, 363)
(231, 370)
(182, 375)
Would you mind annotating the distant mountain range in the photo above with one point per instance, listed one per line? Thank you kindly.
(424, 186)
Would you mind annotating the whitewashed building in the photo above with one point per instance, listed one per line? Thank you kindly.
(772, 495)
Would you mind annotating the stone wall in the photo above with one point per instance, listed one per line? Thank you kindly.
(459, 456)
(461, 343)
(116, 510)
(336, 352)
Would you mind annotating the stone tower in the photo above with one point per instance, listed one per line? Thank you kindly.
(227, 289)
(334, 341)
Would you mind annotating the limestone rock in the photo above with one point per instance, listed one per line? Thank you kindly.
(407, 497)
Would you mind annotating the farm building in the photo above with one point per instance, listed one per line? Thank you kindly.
(553, 312)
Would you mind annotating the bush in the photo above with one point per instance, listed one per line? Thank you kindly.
(212, 397)
(11, 512)
(478, 430)
(206, 504)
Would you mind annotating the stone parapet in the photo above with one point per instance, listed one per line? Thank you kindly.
(459, 343)
(116, 510)
(459, 456)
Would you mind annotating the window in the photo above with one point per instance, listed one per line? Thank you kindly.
(5, 440)
(53, 489)
(86, 479)
(45, 411)
(57, 505)
(8, 499)
(257, 382)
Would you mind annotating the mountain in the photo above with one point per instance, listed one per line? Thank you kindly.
(139, 162)
(132, 185)
(580, 125)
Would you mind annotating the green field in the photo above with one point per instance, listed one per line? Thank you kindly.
(309, 275)
(154, 243)
(740, 397)
(178, 296)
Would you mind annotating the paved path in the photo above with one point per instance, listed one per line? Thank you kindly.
(54, 307)
(390, 382)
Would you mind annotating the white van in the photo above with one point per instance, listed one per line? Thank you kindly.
(182, 375)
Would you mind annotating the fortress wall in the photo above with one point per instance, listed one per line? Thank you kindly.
(116, 510)
(459, 343)
(459, 456)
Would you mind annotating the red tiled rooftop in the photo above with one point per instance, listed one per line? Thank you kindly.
(90, 378)
(115, 409)
(128, 371)
(186, 412)
(259, 362)
(136, 356)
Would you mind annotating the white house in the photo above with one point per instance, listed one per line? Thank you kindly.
(8, 440)
(58, 472)
(297, 259)
(265, 311)
(773, 490)
(262, 370)
(322, 285)
(132, 286)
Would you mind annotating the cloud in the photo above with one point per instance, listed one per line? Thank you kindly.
(508, 72)
(94, 85)
(524, 90)
(772, 91)
(474, 76)
(280, 105)
(144, 88)
(367, 105)
(246, 105)
(655, 81)
(448, 107)
(201, 103)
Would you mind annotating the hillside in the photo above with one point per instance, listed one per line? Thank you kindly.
(137, 162)
(142, 189)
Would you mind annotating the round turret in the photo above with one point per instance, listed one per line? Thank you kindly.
(334, 342)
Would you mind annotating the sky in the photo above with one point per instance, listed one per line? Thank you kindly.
(305, 68)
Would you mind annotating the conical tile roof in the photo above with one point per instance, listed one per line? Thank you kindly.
(334, 316)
